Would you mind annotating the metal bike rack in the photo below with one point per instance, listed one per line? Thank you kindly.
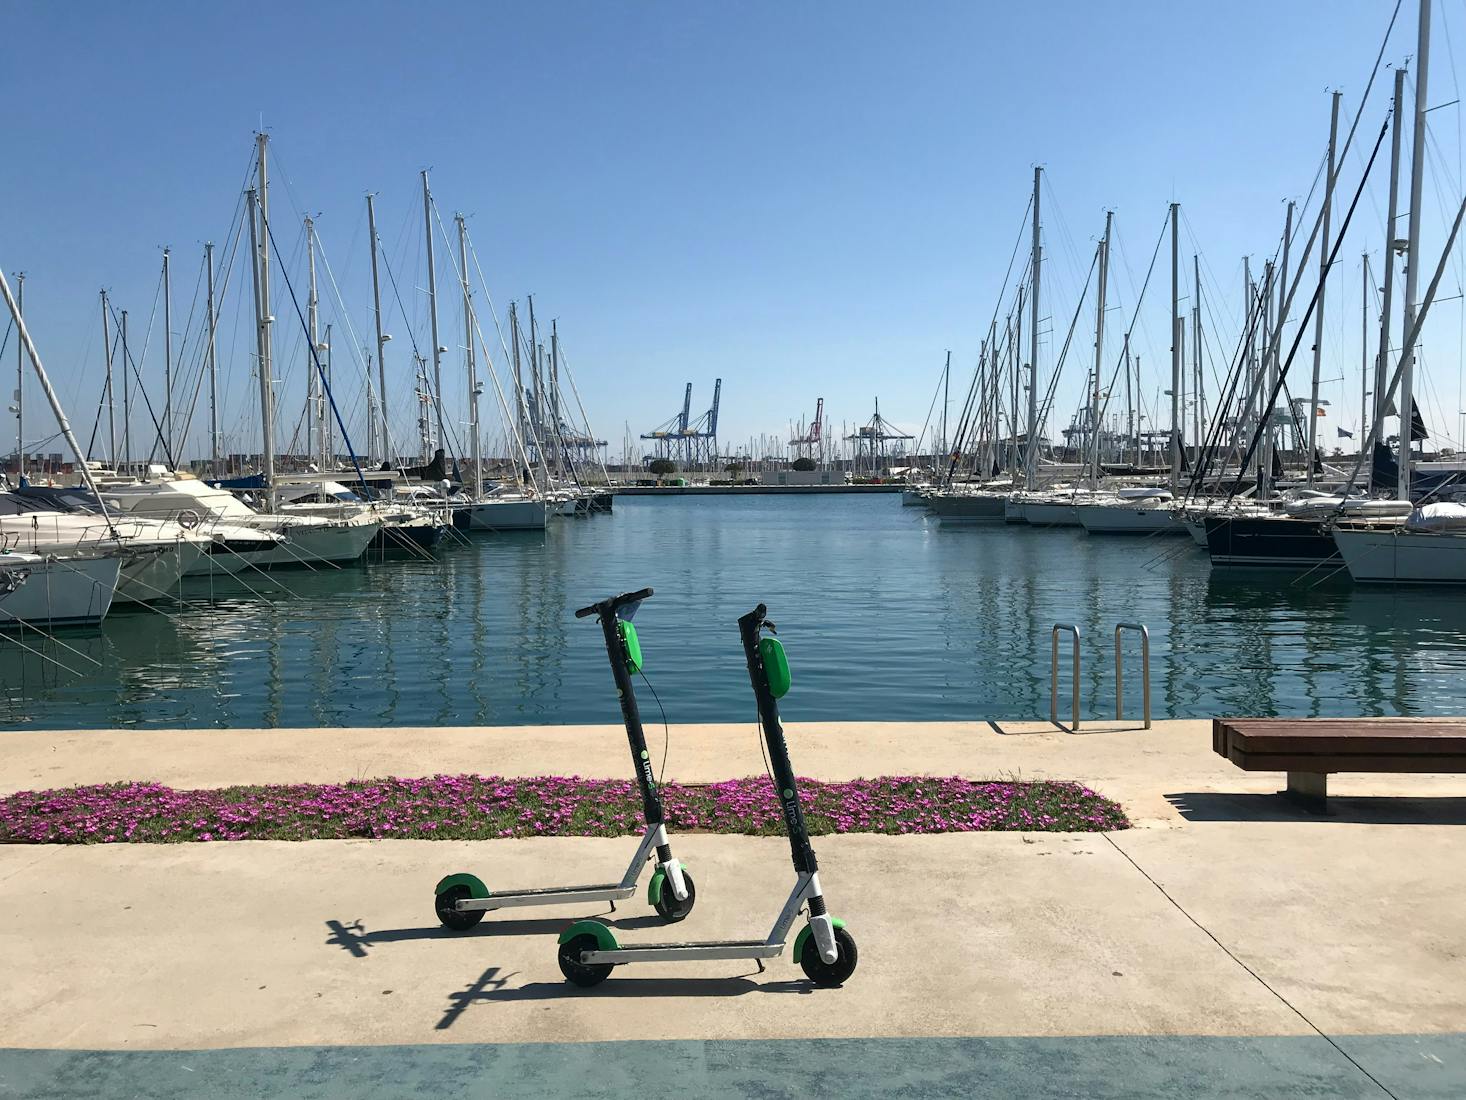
(1119, 677)
(1054, 673)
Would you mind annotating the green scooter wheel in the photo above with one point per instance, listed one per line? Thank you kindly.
(668, 907)
(825, 974)
(582, 974)
(459, 920)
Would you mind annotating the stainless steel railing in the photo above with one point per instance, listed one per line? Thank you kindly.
(1120, 628)
(1054, 673)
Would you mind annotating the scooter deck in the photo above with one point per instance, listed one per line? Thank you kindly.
(697, 943)
(541, 890)
(685, 952)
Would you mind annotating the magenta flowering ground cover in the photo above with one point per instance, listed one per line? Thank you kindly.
(478, 807)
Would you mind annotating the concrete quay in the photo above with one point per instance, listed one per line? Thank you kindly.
(1227, 945)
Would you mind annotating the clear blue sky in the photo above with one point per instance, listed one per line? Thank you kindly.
(810, 199)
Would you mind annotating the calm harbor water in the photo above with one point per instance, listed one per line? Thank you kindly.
(885, 614)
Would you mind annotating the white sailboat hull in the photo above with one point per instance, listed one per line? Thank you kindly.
(303, 545)
(153, 573)
(1049, 514)
(967, 507)
(50, 592)
(1399, 556)
(1122, 519)
(506, 515)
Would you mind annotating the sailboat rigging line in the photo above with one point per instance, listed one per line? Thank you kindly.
(1313, 303)
(101, 399)
(1411, 337)
(963, 422)
(62, 563)
(585, 420)
(25, 625)
(143, 393)
(929, 410)
(1134, 314)
(1031, 461)
(316, 359)
(232, 248)
(967, 422)
(492, 371)
(249, 565)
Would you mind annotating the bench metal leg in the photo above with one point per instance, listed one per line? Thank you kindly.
(1308, 789)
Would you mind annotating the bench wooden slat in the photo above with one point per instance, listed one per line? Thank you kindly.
(1353, 762)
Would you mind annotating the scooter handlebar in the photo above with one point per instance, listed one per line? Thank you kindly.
(613, 603)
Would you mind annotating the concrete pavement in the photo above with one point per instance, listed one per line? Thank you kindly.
(1207, 952)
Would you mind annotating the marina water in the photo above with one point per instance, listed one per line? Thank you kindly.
(886, 614)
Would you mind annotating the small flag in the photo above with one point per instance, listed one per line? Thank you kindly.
(1345, 434)
(1320, 411)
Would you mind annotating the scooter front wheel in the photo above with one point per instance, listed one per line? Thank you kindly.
(668, 907)
(459, 920)
(825, 974)
(582, 974)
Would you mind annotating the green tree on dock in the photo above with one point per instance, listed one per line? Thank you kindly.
(662, 466)
(803, 464)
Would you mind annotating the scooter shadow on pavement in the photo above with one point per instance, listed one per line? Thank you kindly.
(490, 987)
(357, 940)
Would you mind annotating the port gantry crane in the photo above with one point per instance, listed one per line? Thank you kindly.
(808, 442)
(870, 441)
(690, 443)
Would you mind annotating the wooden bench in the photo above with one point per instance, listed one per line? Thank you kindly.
(1310, 749)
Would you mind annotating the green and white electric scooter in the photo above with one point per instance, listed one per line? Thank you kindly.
(461, 900)
(823, 947)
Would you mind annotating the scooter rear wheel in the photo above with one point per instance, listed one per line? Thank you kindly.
(825, 974)
(459, 920)
(582, 974)
(668, 907)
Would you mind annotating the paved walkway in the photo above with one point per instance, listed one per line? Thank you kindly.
(1229, 946)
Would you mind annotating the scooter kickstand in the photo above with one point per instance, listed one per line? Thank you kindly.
(613, 905)
(760, 965)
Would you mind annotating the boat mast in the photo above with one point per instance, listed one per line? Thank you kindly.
(1131, 424)
(537, 407)
(994, 400)
(1363, 348)
(111, 414)
(946, 398)
(1323, 275)
(126, 398)
(167, 358)
(1032, 461)
(1099, 342)
(427, 213)
(382, 337)
(1412, 253)
(1198, 392)
(328, 423)
(315, 437)
(1175, 350)
(213, 322)
(518, 372)
(261, 240)
(19, 383)
(1387, 289)
(28, 348)
(473, 387)
(554, 395)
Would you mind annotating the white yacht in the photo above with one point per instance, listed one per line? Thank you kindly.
(1428, 548)
(1142, 510)
(45, 591)
(155, 554)
(502, 510)
(303, 539)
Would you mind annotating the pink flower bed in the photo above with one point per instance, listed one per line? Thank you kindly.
(476, 807)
